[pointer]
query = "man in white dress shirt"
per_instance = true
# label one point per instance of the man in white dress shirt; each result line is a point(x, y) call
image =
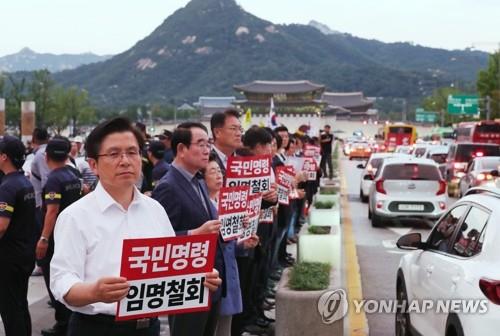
point(89, 234)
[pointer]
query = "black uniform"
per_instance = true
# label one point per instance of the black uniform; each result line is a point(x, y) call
point(17, 252)
point(62, 188)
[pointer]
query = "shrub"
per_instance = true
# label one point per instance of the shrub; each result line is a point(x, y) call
point(328, 191)
point(310, 276)
point(324, 205)
point(316, 229)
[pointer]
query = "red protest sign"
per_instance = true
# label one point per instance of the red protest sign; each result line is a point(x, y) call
point(253, 211)
point(233, 204)
point(166, 275)
point(310, 167)
point(253, 171)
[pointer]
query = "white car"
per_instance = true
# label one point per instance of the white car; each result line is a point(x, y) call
point(406, 187)
point(479, 173)
point(369, 171)
point(439, 153)
point(403, 149)
point(457, 265)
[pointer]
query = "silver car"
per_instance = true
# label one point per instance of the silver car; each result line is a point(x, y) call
point(407, 187)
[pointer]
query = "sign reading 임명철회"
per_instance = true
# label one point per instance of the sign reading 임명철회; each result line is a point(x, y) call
point(166, 275)
point(253, 212)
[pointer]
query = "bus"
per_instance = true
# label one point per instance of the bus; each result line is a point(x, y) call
point(482, 132)
point(397, 135)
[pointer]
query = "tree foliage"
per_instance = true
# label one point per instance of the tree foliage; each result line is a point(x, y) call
point(488, 83)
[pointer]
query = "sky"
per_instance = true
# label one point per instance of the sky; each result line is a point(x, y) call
point(113, 26)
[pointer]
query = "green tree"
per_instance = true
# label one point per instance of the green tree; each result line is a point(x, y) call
point(40, 91)
point(70, 107)
point(438, 102)
point(488, 84)
point(15, 96)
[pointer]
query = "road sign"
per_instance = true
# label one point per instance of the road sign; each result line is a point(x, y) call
point(464, 104)
point(425, 116)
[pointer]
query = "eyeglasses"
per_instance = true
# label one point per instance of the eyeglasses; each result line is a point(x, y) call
point(202, 144)
point(235, 129)
point(117, 155)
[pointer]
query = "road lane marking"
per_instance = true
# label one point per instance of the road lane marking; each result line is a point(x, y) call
point(358, 325)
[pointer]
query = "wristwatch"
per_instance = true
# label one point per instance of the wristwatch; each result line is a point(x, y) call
point(44, 239)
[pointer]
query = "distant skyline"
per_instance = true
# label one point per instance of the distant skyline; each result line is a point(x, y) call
point(112, 26)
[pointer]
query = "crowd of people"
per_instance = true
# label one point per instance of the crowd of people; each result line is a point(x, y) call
point(82, 198)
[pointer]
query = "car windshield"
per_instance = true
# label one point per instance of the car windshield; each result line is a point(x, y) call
point(439, 158)
point(490, 163)
point(411, 171)
point(488, 128)
point(400, 130)
point(465, 153)
point(375, 163)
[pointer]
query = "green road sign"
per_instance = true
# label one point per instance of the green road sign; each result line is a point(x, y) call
point(462, 104)
point(425, 116)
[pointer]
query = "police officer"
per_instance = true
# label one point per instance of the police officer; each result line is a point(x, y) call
point(62, 189)
point(17, 238)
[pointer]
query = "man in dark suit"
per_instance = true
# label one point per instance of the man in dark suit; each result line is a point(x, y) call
point(185, 198)
point(226, 131)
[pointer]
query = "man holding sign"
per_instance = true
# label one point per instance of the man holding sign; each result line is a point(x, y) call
point(89, 236)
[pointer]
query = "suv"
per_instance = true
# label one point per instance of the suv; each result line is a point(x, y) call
point(458, 158)
point(406, 187)
point(457, 263)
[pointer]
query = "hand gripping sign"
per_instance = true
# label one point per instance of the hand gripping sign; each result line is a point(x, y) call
point(254, 202)
point(253, 171)
point(166, 275)
point(233, 204)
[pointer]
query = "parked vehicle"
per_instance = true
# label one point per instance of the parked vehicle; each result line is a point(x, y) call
point(459, 262)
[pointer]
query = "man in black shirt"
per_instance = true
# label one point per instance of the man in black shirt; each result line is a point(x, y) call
point(326, 152)
point(156, 153)
point(62, 189)
point(17, 238)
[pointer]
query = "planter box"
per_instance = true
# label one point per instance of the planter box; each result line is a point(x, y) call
point(327, 198)
point(325, 248)
point(324, 217)
point(297, 311)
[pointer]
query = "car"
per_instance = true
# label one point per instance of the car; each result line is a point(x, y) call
point(479, 172)
point(369, 171)
point(360, 150)
point(439, 154)
point(406, 187)
point(458, 261)
point(421, 149)
point(403, 149)
point(459, 156)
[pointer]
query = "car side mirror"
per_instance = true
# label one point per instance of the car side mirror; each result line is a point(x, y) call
point(368, 177)
point(410, 241)
point(494, 173)
point(361, 166)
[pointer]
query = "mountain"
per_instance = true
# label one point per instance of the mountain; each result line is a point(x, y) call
point(28, 60)
point(208, 46)
point(323, 28)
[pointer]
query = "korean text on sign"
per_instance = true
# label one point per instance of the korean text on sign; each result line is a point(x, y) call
point(233, 204)
point(166, 275)
point(253, 171)
point(254, 203)
point(311, 168)
point(284, 177)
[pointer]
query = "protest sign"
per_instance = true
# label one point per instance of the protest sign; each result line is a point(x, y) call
point(166, 275)
point(232, 208)
point(253, 171)
point(253, 211)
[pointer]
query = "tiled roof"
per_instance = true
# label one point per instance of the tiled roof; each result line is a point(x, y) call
point(346, 100)
point(279, 87)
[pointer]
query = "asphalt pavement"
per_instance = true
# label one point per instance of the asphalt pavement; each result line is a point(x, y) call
point(378, 256)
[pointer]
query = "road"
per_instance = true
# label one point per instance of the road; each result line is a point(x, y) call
point(378, 255)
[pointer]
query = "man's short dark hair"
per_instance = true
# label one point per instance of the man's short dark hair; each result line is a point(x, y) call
point(58, 149)
point(255, 136)
point(279, 140)
point(182, 134)
point(40, 135)
point(101, 131)
point(291, 139)
point(157, 149)
point(218, 119)
point(14, 149)
point(167, 134)
point(281, 129)
point(327, 126)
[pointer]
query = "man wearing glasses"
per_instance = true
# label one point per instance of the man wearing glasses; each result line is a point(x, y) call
point(183, 193)
point(85, 269)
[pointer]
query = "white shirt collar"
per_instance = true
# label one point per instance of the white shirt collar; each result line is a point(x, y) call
point(104, 199)
point(222, 156)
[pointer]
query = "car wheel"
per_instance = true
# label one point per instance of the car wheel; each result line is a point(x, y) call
point(376, 220)
point(453, 326)
point(402, 317)
point(369, 213)
point(364, 198)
